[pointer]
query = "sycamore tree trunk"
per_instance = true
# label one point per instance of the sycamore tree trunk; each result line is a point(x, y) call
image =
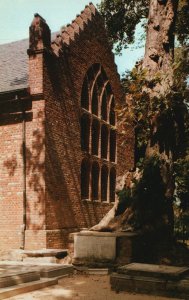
point(157, 63)
point(159, 50)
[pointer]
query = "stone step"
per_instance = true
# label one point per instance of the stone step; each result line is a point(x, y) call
point(154, 271)
point(58, 253)
point(54, 271)
point(44, 255)
point(20, 255)
point(46, 271)
point(26, 287)
point(40, 260)
point(8, 278)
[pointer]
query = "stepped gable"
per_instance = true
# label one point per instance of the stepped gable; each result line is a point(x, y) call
point(71, 32)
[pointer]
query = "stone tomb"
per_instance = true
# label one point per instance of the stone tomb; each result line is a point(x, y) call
point(152, 279)
point(101, 248)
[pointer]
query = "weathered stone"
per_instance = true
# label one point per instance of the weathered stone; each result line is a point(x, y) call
point(155, 271)
point(104, 247)
point(6, 293)
point(96, 246)
point(152, 279)
point(10, 278)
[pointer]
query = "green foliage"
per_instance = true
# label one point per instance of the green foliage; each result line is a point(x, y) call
point(181, 70)
point(137, 111)
point(122, 16)
point(182, 23)
point(171, 119)
point(181, 225)
point(161, 120)
point(142, 110)
point(164, 119)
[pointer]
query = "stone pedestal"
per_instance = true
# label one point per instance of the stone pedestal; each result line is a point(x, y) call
point(98, 248)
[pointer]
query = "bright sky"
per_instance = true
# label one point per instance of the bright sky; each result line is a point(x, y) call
point(16, 16)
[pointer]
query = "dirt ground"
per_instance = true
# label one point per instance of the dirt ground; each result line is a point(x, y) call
point(83, 287)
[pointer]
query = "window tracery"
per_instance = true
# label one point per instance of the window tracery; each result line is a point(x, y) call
point(98, 136)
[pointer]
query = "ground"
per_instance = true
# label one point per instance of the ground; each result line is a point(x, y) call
point(83, 287)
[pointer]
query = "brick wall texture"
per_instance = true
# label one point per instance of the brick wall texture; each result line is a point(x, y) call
point(52, 146)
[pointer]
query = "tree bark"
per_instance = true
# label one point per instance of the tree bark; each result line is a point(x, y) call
point(159, 49)
point(158, 62)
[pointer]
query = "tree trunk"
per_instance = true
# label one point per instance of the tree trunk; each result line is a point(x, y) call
point(158, 60)
point(158, 63)
point(159, 49)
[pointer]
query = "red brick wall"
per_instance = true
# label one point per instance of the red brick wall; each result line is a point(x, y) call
point(12, 177)
point(53, 151)
point(62, 90)
point(35, 182)
point(11, 180)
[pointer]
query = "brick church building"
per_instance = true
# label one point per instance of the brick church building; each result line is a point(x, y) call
point(61, 150)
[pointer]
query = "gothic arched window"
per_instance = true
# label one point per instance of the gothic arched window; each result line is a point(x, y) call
point(112, 112)
point(98, 136)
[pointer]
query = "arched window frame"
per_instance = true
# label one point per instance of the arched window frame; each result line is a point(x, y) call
point(112, 114)
point(103, 96)
point(98, 150)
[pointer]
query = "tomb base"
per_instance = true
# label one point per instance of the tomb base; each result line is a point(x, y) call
point(151, 279)
point(104, 248)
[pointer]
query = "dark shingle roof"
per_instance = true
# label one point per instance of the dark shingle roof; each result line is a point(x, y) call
point(13, 66)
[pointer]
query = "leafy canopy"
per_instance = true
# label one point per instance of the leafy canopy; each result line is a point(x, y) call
point(122, 16)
